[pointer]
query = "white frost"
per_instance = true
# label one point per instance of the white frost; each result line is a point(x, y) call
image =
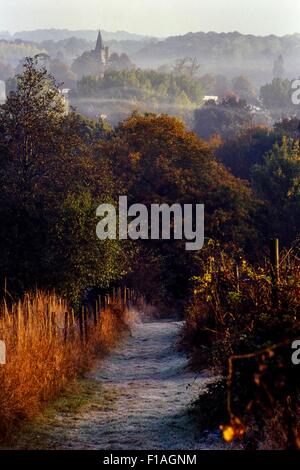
point(154, 389)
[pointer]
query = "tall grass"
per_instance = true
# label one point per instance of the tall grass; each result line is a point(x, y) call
point(46, 348)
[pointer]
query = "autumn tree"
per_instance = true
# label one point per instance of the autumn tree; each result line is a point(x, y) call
point(52, 180)
point(160, 161)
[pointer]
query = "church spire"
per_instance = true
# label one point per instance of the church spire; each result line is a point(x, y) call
point(99, 45)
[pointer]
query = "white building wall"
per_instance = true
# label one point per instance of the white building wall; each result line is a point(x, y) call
point(2, 92)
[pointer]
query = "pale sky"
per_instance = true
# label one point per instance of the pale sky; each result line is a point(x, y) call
point(154, 17)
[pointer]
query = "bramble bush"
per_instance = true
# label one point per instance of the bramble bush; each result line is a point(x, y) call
point(234, 324)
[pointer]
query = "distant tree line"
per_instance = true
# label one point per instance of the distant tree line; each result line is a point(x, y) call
point(138, 84)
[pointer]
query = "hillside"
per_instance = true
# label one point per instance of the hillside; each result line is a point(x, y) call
point(227, 53)
point(230, 54)
point(41, 35)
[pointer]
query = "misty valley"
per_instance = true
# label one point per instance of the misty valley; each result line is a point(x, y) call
point(149, 230)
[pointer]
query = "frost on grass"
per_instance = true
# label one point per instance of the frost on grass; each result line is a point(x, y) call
point(140, 399)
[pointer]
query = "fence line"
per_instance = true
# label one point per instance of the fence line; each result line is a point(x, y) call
point(56, 317)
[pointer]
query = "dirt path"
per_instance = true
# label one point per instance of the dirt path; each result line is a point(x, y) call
point(153, 390)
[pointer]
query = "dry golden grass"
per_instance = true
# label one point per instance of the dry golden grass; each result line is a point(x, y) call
point(41, 357)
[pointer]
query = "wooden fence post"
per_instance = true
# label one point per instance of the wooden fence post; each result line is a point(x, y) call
point(85, 316)
point(275, 269)
point(19, 319)
point(100, 306)
point(96, 313)
point(81, 323)
point(237, 275)
point(125, 296)
point(66, 326)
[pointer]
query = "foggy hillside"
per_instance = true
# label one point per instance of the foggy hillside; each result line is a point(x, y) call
point(41, 35)
point(227, 53)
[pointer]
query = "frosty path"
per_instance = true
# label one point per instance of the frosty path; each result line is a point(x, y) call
point(153, 390)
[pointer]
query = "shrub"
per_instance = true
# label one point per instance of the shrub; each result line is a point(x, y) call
point(233, 318)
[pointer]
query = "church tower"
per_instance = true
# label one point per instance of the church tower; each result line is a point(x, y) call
point(101, 53)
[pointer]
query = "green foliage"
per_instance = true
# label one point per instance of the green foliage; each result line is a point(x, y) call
point(278, 94)
point(137, 84)
point(32, 116)
point(86, 64)
point(52, 179)
point(277, 182)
